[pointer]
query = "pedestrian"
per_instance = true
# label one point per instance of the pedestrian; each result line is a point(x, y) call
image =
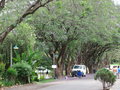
point(47, 74)
point(66, 77)
point(118, 72)
point(79, 74)
point(115, 70)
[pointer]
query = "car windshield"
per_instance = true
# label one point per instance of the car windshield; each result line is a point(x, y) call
point(77, 67)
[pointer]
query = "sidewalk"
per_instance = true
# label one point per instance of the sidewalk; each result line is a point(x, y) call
point(116, 86)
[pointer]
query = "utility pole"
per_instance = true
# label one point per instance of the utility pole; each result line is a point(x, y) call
point(11, 55)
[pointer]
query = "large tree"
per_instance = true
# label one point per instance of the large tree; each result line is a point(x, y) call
point(30, 9)
point(100, 28)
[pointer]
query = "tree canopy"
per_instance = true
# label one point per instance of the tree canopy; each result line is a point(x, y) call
point(61, 32)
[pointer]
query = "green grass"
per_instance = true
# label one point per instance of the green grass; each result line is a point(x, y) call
point(46, 81)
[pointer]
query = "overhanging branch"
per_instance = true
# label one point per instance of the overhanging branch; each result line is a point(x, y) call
point(34, 7)
point(2, 4)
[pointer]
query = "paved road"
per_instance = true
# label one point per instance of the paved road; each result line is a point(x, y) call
point(87, 83)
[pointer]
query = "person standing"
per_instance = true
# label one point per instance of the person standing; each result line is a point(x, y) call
point(47, 74)
point(66, 77)
point(118, 72)
point(115, 70)
point(79, 74)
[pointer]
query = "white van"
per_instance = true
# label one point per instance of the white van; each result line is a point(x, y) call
point(81, 68)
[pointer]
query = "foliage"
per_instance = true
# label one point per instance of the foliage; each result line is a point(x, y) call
point(34, 77)
point(47, 80)
point(1, 83)
point(24, 71)
point(63, 32)
point(42, 77)
point(8, 83)
point(84, 22)
point(2, 69)
point(27, 56)
point(106, 77)
point(11, 74)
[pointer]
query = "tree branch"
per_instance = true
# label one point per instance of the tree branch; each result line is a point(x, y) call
point(34, 7)
point(2, 4)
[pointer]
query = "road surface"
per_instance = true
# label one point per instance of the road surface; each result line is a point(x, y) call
point(86, 83)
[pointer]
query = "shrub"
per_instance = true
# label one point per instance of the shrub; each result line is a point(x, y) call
point(24, 71)
point(106, 77)
point(2, 69)
point(42, 77)
point(8, 83)
point(34, 77)
point(1, 84)
point(11, 74)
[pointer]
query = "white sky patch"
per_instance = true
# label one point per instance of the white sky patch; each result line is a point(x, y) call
point(117, 2)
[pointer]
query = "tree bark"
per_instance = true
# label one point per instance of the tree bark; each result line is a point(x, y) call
point(59, 71)
point(104, 86)
point(60, 60)
point(91, 53)
point(68, 68)
point(2, 4)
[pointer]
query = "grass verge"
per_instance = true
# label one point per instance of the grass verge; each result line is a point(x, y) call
point(46, 81)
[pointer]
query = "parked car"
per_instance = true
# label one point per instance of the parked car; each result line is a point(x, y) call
point(81, 68)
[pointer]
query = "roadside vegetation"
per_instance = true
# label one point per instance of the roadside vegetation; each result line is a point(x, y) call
point(106, 77)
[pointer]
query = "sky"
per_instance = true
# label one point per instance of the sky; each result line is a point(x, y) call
point(117, 2)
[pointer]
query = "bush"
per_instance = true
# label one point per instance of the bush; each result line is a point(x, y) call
point(1, 84)
point(42, 77)
point(106, 77)
point(34, 77)
point(24, 71)
point(8, 83)
point(2, 69)
point(11, 74)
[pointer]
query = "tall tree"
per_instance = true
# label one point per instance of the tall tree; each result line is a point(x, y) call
point(30, 10)
point(58, 26)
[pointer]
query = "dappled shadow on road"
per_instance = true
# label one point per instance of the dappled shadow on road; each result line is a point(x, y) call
point(88, 76)
point(62, 83)
point(71, 83)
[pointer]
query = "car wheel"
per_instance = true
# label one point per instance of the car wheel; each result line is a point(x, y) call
point(83, 75)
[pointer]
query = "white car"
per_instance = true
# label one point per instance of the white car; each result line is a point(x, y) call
point(81, 68)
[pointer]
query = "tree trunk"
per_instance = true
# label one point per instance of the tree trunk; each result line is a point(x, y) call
point(104, 86)
point(90, 68)
point(59, 71)
point(68, 68)
point(2, 4)
point(68, 71)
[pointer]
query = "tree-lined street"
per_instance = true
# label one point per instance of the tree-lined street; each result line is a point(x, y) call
point(86, 83)
point(45, 39)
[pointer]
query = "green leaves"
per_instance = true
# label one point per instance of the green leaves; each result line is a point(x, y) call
point(59, 4)
point(2, 70)
point(106, 76)
point(73, 23)
point(24, 71)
